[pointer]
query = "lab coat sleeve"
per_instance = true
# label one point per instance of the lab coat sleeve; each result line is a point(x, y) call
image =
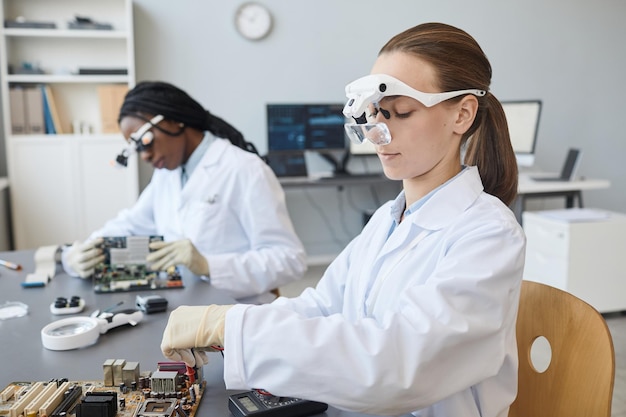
point(327, 297)
point(443, 336)
point(275, 256)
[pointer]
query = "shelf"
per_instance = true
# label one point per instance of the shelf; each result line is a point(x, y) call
point(69, 78)
point(66, 33)
point(67, 175)
point(70, 136)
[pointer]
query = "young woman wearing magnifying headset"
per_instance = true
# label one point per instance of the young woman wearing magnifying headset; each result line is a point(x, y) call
point(220, 208)
point(417, 314)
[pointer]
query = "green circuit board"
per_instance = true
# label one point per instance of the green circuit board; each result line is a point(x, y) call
point(124, 267)
point(66, 398)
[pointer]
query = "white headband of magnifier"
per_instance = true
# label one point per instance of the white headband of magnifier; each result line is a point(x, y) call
point(141, 137)
point(371, 88)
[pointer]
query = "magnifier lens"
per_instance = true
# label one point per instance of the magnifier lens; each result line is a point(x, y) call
point(377, 133)
point(71, 329)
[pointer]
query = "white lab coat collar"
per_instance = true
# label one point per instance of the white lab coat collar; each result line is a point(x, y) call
point(211, 157)
point(441, 209)
point(449, 201)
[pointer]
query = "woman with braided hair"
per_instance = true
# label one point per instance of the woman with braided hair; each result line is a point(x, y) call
point(217, 204)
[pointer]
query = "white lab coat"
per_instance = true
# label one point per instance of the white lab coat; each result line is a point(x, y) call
point(423, 320)
point(233, 210)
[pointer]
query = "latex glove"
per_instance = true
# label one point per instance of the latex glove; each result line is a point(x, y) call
point(82, 257)
point(194, 327)
point(179, 252)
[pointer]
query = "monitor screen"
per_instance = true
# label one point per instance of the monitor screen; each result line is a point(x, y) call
point(298, 127)
point(523, 120)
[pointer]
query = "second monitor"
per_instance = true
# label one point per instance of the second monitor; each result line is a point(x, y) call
point(300, 127)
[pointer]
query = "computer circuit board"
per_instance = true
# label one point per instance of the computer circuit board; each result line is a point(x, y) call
point(124, 267)
point(174, 392)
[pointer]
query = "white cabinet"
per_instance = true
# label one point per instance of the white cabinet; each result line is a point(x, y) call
point(583, 257)
point(63, 185)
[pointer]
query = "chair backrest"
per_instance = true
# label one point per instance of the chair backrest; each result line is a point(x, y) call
point(580, 376)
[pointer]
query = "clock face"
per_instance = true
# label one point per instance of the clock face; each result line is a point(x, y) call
point(253, 20)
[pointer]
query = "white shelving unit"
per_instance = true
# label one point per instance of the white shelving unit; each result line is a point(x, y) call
point(62, 186)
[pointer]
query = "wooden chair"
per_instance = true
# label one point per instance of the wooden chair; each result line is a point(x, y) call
point(579, 378)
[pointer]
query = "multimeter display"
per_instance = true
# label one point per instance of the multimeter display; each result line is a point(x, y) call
point(257, 404)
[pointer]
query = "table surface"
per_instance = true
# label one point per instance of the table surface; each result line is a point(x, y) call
point(25, 358)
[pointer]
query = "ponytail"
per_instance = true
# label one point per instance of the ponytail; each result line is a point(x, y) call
point(460, 64)
point(489, 148)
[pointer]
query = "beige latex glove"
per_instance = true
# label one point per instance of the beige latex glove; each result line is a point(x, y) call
point(194, 327)
point(179, 252)
point(82, 257)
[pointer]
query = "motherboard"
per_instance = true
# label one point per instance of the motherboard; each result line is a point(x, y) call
point(174, 390)
point(124, 267)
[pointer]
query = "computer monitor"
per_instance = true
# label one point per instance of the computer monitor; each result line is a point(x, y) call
point(522, 116)
point(300, 127)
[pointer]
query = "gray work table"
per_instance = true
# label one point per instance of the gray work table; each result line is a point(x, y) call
point(25, 359)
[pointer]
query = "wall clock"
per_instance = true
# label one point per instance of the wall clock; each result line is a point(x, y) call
point(253, 20)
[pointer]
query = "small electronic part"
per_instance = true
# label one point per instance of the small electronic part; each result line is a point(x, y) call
point(151, 303)
point(259, 403)
point(124, 267)
point(152, 394)
point(64, 306)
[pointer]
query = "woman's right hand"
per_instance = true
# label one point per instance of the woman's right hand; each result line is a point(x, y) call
point(82, 257)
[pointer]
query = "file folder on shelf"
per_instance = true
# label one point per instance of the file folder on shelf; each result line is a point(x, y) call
point(33, 102)
point(18, 110)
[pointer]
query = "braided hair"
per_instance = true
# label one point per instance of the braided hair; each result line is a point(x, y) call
point(157, 97)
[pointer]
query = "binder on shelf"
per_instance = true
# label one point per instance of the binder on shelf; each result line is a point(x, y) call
point(51, 115)
point(33, 105)
point(111, 97)
point(18, 110)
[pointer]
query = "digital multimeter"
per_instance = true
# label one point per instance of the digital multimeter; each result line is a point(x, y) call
point(259, 404)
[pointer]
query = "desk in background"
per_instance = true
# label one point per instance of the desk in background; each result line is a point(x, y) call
point(339, 181)
point(25, 359)
point(527, 187)
point(571, 190)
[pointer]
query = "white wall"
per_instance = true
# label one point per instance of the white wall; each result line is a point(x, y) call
point(569, 53)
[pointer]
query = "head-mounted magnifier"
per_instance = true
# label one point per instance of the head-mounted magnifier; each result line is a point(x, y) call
point(139, 140)
point(369, 90)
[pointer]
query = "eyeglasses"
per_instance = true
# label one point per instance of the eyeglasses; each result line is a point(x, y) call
point(369, 90)
point(139, 140)
point(143, 137)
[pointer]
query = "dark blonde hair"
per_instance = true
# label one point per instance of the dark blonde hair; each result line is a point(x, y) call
point(460, 63)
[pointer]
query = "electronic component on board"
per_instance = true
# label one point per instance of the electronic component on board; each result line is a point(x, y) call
point(125, 269)
point(161, 393)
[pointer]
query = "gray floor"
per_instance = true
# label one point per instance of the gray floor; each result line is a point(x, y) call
point(616, 322)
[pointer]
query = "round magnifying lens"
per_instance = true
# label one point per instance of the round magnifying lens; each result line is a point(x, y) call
point(12, 309)
point(70, 333)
